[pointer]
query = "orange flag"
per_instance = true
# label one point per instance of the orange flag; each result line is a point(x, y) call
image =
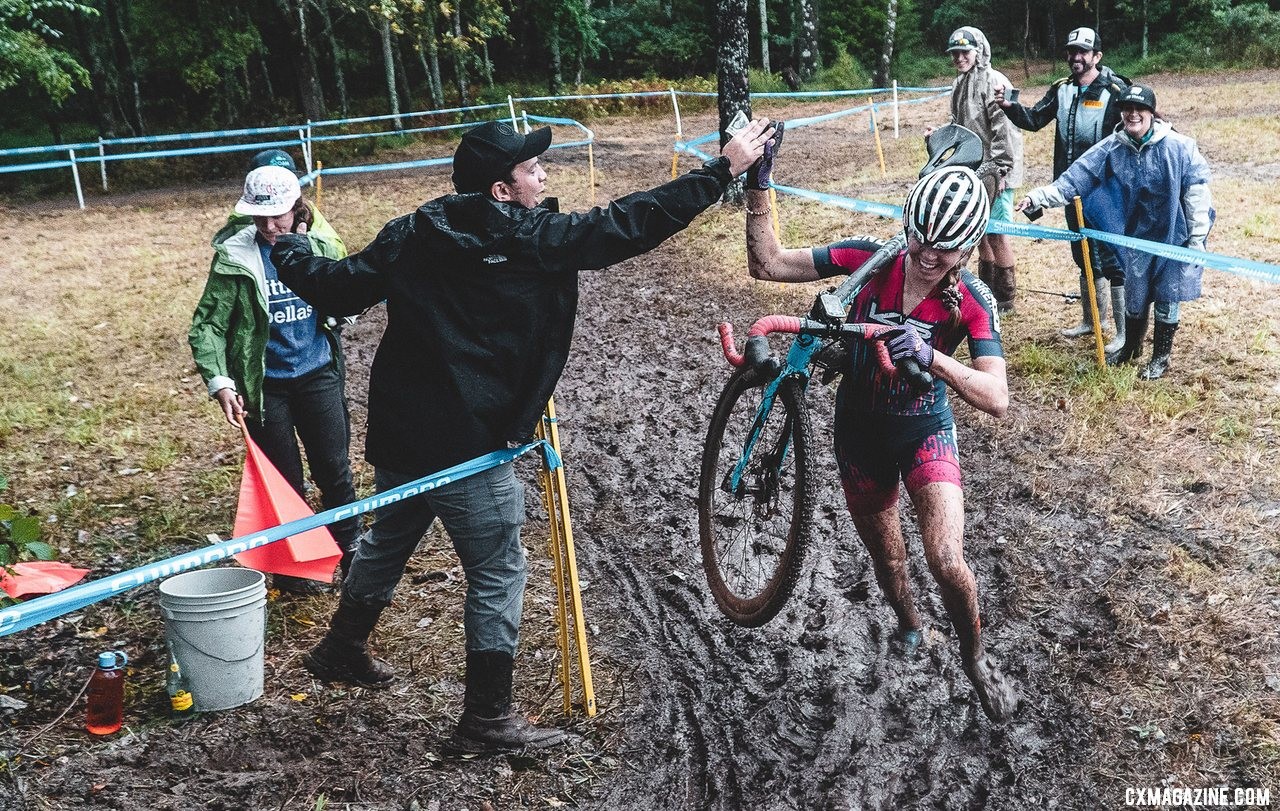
point(39, 577)
point(267, 500)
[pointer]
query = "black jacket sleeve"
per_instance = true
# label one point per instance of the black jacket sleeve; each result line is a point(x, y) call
point(342, 286)
point(1034, 118)
point(630, 225)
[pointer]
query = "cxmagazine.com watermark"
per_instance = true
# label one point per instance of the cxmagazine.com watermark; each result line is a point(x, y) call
point(1210, 797)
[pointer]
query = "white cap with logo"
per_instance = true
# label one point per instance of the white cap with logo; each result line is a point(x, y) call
point(269, 191)
point(1086, 39)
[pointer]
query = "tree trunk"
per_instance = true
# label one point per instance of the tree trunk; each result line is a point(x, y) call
point(890, 37)
point(732, 53)
point(556, 79)
point(764, 36)
point(310, 94)
point(486, 64)
point(101, 76)
point(389, 69)
point(266, 76)
point(402, 76)
point(339, 77)
point(1026, 42)
point(807, 38)
point(429, 53)
point(1144, 29)
point(582, 49)
point(459, 60)
point(124, 56)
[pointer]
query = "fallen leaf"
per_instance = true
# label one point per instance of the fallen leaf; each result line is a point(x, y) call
point(299, 696)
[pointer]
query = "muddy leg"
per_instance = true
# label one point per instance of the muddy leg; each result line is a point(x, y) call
point(941, 509)
point(881, 534)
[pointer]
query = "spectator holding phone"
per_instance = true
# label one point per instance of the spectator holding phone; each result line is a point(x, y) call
point(1084, 107)
point(267, 356)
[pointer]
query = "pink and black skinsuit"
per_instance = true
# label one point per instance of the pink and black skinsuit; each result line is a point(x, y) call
point(884, 429)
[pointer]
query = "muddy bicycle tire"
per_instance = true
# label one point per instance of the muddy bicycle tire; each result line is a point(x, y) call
point(753, 542)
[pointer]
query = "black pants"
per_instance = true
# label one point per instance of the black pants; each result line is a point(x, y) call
point(313, 409)
point(1101, 255)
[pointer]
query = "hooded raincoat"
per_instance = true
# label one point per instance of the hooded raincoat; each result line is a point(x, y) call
point(974, 107)
point(231, 323)
point(1157, 191)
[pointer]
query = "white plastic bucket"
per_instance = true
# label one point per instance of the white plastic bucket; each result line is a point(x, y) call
point(215, 620)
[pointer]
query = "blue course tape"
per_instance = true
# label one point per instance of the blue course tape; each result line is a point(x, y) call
point(42, 609)
point(34, 167)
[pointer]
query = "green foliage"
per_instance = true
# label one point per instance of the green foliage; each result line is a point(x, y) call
point(637, 38)
point(20, 535)
point(27, 57)
point(843, 73)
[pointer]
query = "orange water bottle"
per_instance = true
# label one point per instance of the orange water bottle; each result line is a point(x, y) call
point(106, 693)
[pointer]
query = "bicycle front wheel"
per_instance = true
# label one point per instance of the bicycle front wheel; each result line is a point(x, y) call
point(754, 531)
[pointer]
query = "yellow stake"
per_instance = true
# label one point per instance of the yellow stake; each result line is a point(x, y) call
point(876, 131)
point(675, 161)
point(557, 559)
point(773, 207)
point(319, 184)
point(571, 561)
point(591, 164)
point(1088, 290)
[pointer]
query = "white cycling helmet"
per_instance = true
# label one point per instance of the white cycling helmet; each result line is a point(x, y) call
point(947, 209)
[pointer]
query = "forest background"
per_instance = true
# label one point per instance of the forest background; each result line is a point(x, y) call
point(74, 71)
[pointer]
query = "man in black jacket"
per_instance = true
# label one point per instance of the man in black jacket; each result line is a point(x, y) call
point(1084, 107)
point(481, 290)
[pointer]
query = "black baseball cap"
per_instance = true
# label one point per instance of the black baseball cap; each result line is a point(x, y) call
point(962, 39)
point(1139, 95)
point(490, 151)
point(273, 157)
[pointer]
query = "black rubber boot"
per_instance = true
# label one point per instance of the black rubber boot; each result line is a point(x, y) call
point(1161, 348)
point(343, 655)
point(1006, 287)
point(1135, 332)
point(298, 586)
point(488, 724)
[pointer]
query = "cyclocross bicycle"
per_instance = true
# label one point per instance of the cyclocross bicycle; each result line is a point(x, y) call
point(754, 499)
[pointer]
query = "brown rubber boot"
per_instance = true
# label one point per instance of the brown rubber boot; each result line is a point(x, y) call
point(343, 655)
point(488, 724)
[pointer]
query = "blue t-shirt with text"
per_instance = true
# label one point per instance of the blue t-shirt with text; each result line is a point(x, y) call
point(295, 346)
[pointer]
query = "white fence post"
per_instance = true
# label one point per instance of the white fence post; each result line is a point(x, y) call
point(75, 173)
point(305, 137)
point(511, 105)
point(675, 105)
point(102, 162)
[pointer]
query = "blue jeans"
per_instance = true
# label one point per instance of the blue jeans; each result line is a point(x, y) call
point(313, 409)
point(483, 514)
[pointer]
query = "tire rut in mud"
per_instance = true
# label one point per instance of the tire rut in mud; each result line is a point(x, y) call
point(809, 711)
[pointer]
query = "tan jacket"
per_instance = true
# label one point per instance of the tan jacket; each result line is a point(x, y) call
point(973, 106)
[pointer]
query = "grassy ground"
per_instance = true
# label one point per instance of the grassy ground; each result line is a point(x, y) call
point(107, 433)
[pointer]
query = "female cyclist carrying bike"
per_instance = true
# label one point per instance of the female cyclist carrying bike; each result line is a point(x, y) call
point(886, 430)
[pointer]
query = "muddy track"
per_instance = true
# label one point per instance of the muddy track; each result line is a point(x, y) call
point(812, 710)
